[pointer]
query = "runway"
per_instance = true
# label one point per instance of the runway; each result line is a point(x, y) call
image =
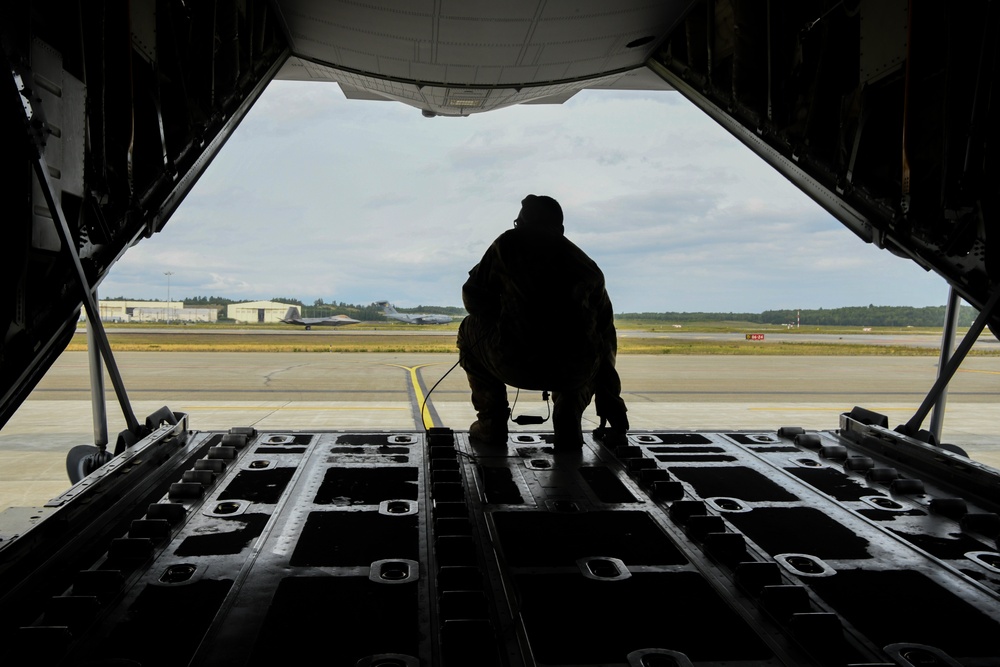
point(985, 342)
point(385, 391)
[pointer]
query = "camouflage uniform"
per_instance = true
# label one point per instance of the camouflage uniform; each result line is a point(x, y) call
point(540, 318)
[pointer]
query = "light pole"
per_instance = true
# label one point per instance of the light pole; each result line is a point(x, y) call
point(168, 274)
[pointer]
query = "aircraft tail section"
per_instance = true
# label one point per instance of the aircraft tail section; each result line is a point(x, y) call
point(387, 308)
point(292, 313)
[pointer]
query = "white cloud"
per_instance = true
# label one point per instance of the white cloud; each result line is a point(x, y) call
point(316, 196)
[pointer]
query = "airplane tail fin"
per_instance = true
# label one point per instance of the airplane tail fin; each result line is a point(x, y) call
point(387, 308)
point(292, 313)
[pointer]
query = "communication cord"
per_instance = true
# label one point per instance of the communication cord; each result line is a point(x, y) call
point(521, 420)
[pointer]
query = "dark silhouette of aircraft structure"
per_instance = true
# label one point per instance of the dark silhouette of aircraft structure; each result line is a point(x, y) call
point(292, 317)
point(866, 544)
point(412, 318)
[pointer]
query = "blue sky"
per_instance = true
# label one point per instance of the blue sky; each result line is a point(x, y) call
point(316, 196)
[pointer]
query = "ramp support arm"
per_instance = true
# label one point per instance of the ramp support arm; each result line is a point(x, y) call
point(947, 346)
point(97, 403)
point(947, 371)
point(34, 125)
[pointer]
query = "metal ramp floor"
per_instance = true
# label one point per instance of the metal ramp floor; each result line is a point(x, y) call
point(399, 549)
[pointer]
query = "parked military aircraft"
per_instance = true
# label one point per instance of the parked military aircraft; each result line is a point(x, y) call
point(412, 318)
point(292, 317)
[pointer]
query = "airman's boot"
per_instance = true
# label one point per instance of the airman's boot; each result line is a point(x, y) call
point(490, 429)
point(567, 414)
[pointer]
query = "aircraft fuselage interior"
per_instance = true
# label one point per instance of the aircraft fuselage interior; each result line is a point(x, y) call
point(868, 544)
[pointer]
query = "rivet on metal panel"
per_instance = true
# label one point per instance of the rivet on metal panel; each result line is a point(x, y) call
point(727, 504)
point(804, 565)
point(988, 559)
point(397, 507)
point(883, 503)
point(388, 660)
point(394, 571)
point(603, 568)
point(228, 507)
point(918, 655)
point(177, 573)
point(563, 506)
point(657, 657)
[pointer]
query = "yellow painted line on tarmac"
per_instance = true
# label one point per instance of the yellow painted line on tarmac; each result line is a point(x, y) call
point(830, 409)
point(976, 370)
point(425, 415)
point(295, 408)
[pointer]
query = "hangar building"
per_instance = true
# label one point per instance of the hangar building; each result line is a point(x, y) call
point(260, 312)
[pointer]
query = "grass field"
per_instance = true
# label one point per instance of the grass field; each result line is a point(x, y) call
point(198, 339)
point(733, 326)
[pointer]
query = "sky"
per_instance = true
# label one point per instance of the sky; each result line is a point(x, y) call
point(319, 197)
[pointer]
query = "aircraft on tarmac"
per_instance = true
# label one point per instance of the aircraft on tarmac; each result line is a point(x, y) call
point(292, 317)
point(418, 318)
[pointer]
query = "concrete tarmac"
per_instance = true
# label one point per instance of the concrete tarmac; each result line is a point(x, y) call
point(986, 341)
point(363, 391)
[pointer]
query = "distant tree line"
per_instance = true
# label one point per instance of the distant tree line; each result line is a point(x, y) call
point(860, 316)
